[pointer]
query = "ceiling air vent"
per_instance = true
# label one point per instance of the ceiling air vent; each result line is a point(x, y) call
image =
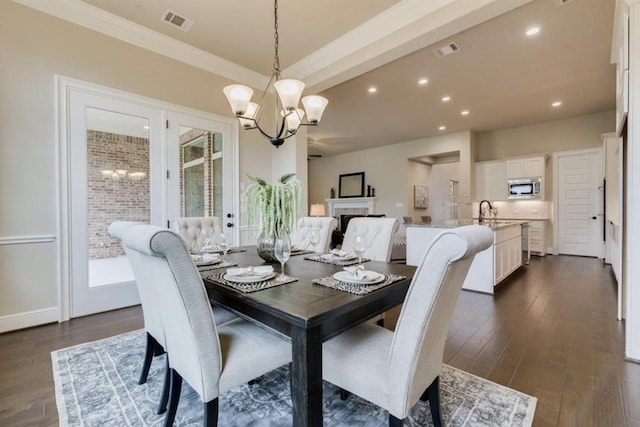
point(561, 2)
point(176, 20)
point(447, 49)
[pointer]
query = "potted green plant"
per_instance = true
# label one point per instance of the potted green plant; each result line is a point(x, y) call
point(272, 210)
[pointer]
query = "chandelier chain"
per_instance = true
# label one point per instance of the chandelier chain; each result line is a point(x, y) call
point(276, 61)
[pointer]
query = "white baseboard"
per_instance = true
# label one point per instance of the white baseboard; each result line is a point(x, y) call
point(28, 319)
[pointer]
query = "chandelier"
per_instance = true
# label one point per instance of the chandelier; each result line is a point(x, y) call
point(289, 92)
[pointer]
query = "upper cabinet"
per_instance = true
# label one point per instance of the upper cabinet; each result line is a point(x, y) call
point(620, 55)
point(490, 181)
point(528, 167)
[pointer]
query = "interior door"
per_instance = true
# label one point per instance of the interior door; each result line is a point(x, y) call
point(115, 174)
point(203, 176)
point(580, 203)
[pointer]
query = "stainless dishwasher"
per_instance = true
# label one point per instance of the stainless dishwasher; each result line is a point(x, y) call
point(526, 250)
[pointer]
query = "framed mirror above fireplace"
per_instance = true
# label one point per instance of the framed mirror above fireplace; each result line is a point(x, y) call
point(351, 185)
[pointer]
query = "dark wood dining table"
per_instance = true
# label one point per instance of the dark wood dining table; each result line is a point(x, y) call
point(308, 314)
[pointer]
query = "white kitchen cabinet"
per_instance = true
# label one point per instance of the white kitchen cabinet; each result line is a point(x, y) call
point(538, 237)
point(508, 251)
point(490, 181)
point(489, 267)
point(527, 167)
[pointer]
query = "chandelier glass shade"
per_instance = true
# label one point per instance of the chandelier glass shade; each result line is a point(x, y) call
point(289, 92)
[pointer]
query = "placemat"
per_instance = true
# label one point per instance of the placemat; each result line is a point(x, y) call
point(353, 288)
point(223, 264)
point(296, 252)
point(229, 251)
point(319, 258)
point(249, 287)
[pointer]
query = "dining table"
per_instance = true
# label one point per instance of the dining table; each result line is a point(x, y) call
point(306, 314)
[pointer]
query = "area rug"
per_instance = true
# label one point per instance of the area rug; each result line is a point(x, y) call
point(96, 385)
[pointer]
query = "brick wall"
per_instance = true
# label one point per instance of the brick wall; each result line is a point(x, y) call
point(109, 200)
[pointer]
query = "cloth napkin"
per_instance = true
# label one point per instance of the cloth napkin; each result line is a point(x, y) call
point(338, 253)
point(256, 272)
point(358, 272)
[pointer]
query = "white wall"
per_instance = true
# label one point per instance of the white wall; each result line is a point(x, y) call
point(34, 47)
point(386, 170)
point(441, 174)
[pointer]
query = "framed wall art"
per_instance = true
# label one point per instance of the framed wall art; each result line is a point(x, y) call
point(420, 197)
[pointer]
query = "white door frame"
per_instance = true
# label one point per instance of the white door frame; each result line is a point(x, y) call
point(63, 87)
point(556, 188)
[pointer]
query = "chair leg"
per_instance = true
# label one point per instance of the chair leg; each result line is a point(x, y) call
point(162, 407)
point(432, 395)
point(176, 386)
point(211, 413)
point(148, 356)
point(395, 422)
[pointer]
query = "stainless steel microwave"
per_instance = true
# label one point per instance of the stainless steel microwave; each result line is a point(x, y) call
point(524, 188)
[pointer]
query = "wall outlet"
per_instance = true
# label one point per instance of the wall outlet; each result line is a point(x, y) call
point(399, 204)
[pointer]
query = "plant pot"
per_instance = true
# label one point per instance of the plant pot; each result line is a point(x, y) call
point(266, 248)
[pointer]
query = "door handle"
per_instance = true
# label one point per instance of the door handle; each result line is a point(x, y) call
point(594, 217)
point(229, 224)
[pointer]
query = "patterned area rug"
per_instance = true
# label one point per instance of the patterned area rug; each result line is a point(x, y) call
point(96, 385)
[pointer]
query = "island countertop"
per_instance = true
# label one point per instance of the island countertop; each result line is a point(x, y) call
point(495, 225)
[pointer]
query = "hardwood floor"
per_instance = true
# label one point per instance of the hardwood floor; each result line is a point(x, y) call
point(550, 331)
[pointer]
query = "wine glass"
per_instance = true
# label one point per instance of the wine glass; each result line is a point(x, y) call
point(360, 246)
point(314, 239)
point(282, 251)
point(223, 244)
point(196, 246)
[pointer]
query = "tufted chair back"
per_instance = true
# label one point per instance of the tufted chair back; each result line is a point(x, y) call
point(325, 226)
point(379, 232)
point(189, 228)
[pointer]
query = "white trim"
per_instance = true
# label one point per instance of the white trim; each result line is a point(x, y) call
point(404, 28)
point(19, 240)
point(63, 86)
point(27, 319)
point(96, 19)
point(555, 156)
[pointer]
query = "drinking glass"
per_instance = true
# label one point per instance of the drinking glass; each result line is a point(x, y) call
point(282, 251)
point(314, 239)
point(223, 244)
point(196, 246)
point(360, 246)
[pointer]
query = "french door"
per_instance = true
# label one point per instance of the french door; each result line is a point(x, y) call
point(130, 158)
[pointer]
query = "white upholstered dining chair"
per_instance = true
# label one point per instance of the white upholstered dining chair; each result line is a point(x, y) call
point(396, 369)
point(379, 233)
point(153, 326)
point(189, 227)
point(324, 225)
point(211, 358)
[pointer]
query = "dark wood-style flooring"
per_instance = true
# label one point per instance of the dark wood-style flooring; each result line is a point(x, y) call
point(550, 331)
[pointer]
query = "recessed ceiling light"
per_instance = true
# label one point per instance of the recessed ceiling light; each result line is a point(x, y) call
point(556, 104)
point(442, 128)
point(373, 89)
point(464, 112)
point(532, 31)
point(446, 98)
point(423, 81)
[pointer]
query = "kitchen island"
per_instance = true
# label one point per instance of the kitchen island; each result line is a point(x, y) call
point(490, 266)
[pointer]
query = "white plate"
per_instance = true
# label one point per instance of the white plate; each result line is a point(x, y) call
point(332, 257)
point(208, 260)
point(249, 279)
point(373, 277)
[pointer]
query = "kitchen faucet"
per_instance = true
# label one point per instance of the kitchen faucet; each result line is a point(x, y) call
point(480, 210)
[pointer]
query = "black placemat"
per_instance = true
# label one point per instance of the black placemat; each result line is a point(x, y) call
point(319, 258)
point(296, 252)
point(249, 287)
point(357, 289)
point(229, 251)
point(224, 264)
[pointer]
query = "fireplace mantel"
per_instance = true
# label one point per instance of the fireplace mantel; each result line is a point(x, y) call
point(351, 202)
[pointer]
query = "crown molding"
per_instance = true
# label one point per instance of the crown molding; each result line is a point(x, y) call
point(96, 19)
point(408, 26)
